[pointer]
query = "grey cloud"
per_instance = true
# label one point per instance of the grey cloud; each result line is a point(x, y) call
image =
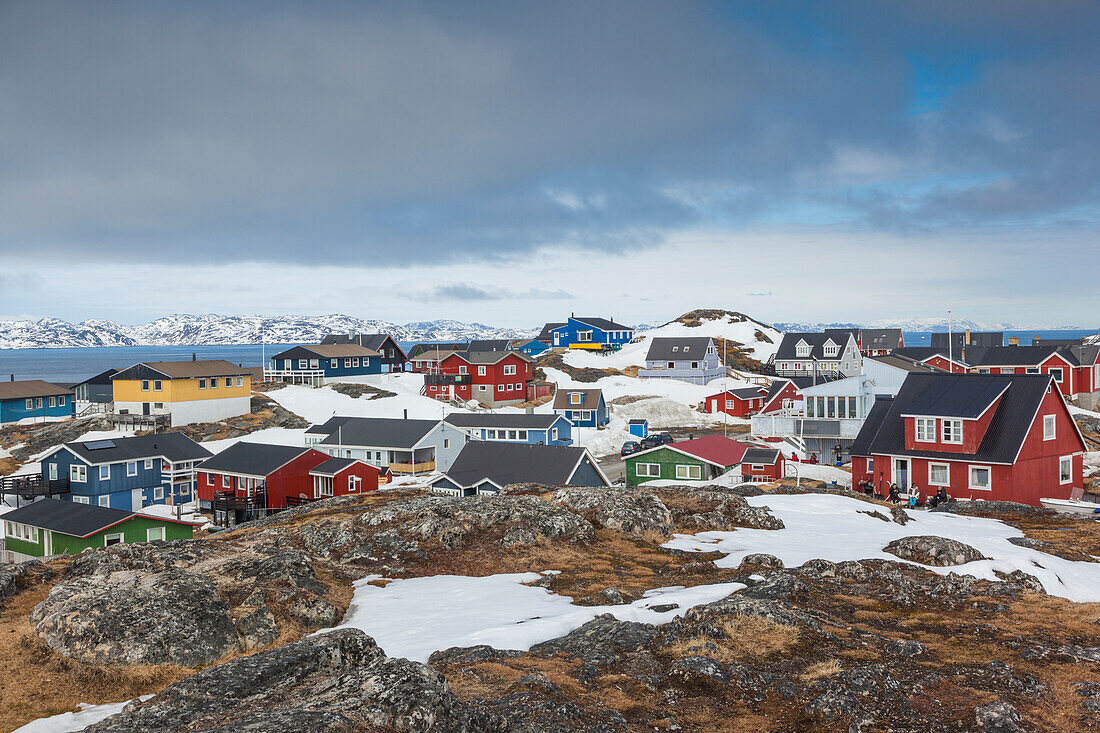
point(467, 292)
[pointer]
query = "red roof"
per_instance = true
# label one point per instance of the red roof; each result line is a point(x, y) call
point(715, 449)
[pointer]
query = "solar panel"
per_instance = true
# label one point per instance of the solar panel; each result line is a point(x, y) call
point(99, 444)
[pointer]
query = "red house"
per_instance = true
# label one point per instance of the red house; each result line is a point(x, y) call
point(737, 402)
point(1073, 367)
point(978, 436)
point(781, 395)
point(761, 464)
point(251, 478)
point(493, 378)
point(937, 357)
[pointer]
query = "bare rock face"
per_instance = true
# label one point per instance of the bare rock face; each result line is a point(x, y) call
point(335, 682)
point(630, 511)
point(936, 551)
point(136, 617)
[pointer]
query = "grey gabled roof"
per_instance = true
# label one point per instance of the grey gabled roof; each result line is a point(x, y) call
point(1024, 356)
point(816, 341)
point(30, 388)
point(327, 351)
point(590, 398)
point(880, 338)
point(982, 339)
point(488, 357)
point(514, 463)
point(602, 323)
point(756, 454)
point(544, 334)
point(534, 421)
point(174, 447)
point(686, 348)
point(332, 466)
point(883, 431)
point(372, 341)
point(252, 459)
point(72, 518)
point(489, 345)
point(745, 393)
point(904, 363)
point(379, 432)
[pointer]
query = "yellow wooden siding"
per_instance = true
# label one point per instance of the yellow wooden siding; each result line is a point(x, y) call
point(179, 390)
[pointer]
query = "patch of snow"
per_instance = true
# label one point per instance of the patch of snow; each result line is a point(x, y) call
point(273, 436)
point(69, 722)
point(414, 617)
point(832, 528)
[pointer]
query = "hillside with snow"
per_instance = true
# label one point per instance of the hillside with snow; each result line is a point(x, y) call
point(218, 330)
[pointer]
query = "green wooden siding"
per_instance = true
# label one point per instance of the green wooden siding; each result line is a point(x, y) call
point(133, 530)
point(667, 461)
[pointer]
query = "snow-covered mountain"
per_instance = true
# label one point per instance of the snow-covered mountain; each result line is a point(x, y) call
point(218, 330)
point(918, 324)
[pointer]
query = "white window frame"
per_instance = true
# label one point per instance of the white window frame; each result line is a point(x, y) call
point(120, 535)
point(104, 500)
point(240, 381)
point(145, 384)
point(481, 371)
point(970, 478)
point(354, 483)
point(213, 382)
point(149, 534)
point(333, 364)
point(462, 369)
point(105, 473)
point(82, 499)
point(225, 481)
point(946, 481)
point(202, 383)
point(649, 470)
point(29, 404)
point(148, 464)
point(928, 433)
point(509, 370)
point(131, 468)
point(158, 385)
point(1050, 427)
point(1057, 377)
point(1062, 462)
point(688, 470)
point(951, 423)
point(576, 398)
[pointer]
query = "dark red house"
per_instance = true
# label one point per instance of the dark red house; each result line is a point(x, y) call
point(493, 378)
point(978, 436)
point(257, 477)
point(737, 402)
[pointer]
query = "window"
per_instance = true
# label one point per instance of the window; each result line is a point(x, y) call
point(145, 385)
point(522, 434)
point(202, 384)
point(240, 381)
point(575, 398)
point(158, 493)
point(53, 402)
point(154, 533)
point(148, 464)
point(38, 403)
point(939, 474)
point(979, 477)
point(314, 364)
point(1049, 427)
point(519, 386)
point(648, 469)
point(82, 500)
point(1031, 370)
point(446, 442)
point(672, 365)
point(462, 369)
point(353, 483)
point(509, 369)
point(952, 431)
point(1065, 469)
point(158, 405)
point(104, 473)
point(158, 385)
point(29, 404)
point(511, 387)
point(355, 361)
point(131, 468)
point(926, 429)
point(802, 350)
point(553, 433)
point(115, 538)
point(1056, 372)
point(500, 388)
point(870, 465)
point(730, 404)
point(225, 482)
point(105, 501)
point(303, 363)
point(689, 472)
point(511, 435)
point(584, 336)
point(213, 382)
point(694, 364)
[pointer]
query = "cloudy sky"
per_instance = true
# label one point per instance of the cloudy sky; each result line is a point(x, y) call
point(513, 162)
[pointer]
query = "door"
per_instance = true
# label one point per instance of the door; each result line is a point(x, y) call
point(144, 408)
point(137, 499)
point(901, 473)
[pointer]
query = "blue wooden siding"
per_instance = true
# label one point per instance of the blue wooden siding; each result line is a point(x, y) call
point(118, 486)
point(541, 436)
point(16, 409)
point(534, 347)
point(567, 334)
point(367, 365)
point(586, 475)
point(595, 418)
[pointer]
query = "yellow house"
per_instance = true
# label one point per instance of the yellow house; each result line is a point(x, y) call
point(187, 391)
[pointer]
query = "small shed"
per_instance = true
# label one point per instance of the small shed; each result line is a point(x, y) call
point(639, 427)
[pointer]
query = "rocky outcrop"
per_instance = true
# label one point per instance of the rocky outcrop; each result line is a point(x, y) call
point(935, 551)
point(16, 576)
point(332, 683)
point(136, 617)
point(630, 511)
point(603, 640)
point(718, 508)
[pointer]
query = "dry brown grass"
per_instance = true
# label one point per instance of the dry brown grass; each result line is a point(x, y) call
point(748, 639)
point(8, 465)
point(820, 670)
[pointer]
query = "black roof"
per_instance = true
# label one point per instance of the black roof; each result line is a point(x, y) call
point(508, 420)
point(1011, 355)
point(905, 363)
point(101, 378)
point(333, 466)
point(920, 353)
point(378, 432)
point(685, 348)
point(957, 394)
point(816, 341)
point(544, 334)
point(958, 338)
point(637, 421)
point(374, 341)
point(514, 463)
point(861, 446)
point(756, 454)
point(747, 393)
point(602, 323)
point(253, 459)
point(489, 345)
point(880, 338)
point(67, 517)
point(174, 447)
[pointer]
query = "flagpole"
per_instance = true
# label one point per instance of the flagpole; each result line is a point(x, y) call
point(950, 339)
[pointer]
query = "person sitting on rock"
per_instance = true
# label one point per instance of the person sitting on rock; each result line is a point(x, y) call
point(914, 494)
point(895, 495)
point(940, 497)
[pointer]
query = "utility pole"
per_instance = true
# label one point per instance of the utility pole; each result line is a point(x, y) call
point(950, 367)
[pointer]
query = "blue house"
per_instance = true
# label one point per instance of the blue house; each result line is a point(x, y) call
point(585, 408)
point(391, 357)
point(534, 347)
point(541, 429)
point(323, 363)
point(128, 473)
point(34, 399)
point(638, 427)
point(599, 334)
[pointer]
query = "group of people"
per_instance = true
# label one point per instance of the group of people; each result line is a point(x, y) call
point(940, 497)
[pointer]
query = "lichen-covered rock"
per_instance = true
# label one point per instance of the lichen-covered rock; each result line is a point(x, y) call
point(331, 683)
point(906, 648)
point(312, 612)
point(321, 538)
point(603, 640)
point(998, 717)
point(258, 628)
point(134, 617)
point(763, 560)
point(931, 550)
point(16, 576)
point(697, 669)
point(630, 511)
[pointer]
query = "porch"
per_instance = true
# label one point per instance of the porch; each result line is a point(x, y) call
point(310, 377)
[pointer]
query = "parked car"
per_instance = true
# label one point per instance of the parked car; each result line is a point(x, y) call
point(655, 440)
point(629, 447)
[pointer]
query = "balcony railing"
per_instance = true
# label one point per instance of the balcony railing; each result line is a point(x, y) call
point(446, 380)
point(33, 485)
point(419, 467)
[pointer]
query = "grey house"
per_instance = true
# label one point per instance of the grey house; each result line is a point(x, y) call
point(403, 446)
point(486, 467)
point(692, 359)
point(833, 352)
point(97, 389)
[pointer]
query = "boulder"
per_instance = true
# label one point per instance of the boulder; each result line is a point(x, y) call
point(697, 669)
point(312, 612)
point(763, 560)
point(258, 628)
point(335, 682)
point(134, 617)
point(15, 577)
point(999, 716)
point(603, 640)
point(936, 551)
point(630, 511)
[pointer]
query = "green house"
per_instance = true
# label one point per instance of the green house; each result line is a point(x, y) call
point(54, 527)
point(700, 459)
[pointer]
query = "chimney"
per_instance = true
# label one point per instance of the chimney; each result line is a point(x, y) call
point(406, 413)
point(12, 378)
point(1035, 340)
point(194, 356)
point(529, 410)
point(1013, 340)
point(966, 342)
